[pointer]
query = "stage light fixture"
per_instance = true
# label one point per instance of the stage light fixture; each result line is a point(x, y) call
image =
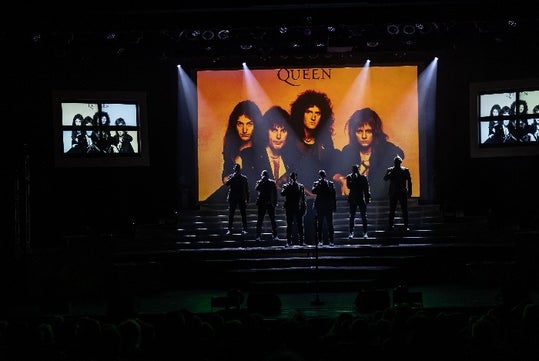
point(283, 29)
point(393, 29)
point(208, 35)
point(223, 34)
point(408, 29)
point(372, 44)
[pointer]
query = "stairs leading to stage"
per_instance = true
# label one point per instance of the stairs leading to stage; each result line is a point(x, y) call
point(192, 250)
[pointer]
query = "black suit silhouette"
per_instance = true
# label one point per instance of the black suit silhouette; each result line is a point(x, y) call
point(238, 196)
point(266, 202)
point(358, 197)
point(295, 206)
point(324, 204)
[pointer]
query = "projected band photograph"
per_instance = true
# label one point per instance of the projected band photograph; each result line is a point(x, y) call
point(509, 118)
point(306, 120)
point(99, 128)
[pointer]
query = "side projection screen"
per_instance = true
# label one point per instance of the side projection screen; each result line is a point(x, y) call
point(100, 129)
point(306, 119)
point(504, 118)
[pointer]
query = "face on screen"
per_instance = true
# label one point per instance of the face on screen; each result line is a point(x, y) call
point(245, 127)
point(277, 136)
point(364, 135)
point(311, 117)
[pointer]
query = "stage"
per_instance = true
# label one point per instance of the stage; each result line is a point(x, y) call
point(187, 258)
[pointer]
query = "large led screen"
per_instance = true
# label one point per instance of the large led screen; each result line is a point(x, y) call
point(355, 105)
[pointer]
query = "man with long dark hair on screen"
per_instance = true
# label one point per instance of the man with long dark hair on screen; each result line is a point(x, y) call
point(237, 197)
point(121, 140)
point(104, 138)
point(89, 138)
point(76, 134)
point(274, 151)
point(241, 133)
point(369, 147)
point(312, 120)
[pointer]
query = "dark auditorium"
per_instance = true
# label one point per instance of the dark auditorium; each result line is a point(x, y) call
point(270, 180)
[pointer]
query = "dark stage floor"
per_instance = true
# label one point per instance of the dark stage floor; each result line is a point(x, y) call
point(182, 262)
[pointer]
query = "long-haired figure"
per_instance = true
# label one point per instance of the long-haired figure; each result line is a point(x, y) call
point(274, 151)
point(240, 133)
point(312, 120)
point(368, 147)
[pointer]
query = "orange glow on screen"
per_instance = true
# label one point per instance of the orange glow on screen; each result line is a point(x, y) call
point(389, 90)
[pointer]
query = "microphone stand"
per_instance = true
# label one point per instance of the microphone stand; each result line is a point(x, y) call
point(316, 301)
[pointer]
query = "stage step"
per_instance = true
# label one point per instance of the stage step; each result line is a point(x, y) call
point(191, 250)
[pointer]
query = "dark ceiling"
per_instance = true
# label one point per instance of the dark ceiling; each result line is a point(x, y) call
point(268, 29)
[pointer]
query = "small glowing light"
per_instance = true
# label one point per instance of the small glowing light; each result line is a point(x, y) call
point(512, 23)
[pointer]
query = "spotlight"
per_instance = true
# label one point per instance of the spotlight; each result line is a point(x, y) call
point(393, 29)
point(223, 34)
point(208, 35)
point(408, 29)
